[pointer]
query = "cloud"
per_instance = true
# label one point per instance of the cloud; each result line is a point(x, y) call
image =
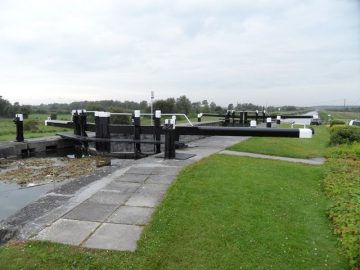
point(256, 51)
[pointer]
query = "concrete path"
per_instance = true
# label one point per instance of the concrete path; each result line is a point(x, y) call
point(110, 213)
point(313, 161)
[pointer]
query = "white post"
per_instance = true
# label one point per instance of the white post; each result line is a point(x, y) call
point(305, 133)
point(268, 122)
point(173, 118)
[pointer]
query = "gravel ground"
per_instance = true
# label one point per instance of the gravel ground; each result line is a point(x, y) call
point(34, 171)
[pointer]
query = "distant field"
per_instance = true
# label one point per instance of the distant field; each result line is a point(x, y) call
point(36, 129)
point(339, 115)
point(8, 129)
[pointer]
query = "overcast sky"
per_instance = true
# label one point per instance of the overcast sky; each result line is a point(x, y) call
point(266, 52)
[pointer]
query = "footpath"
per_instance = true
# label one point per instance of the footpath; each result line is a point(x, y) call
point(110, 212)
point(312, 161)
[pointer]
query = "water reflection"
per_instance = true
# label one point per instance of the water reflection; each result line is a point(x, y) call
point(14, 197)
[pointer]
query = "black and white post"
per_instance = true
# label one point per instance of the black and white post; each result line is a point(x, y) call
point(278, 119)
point(157, 127)
point(102, 121)
point(268, 122)
point(19, 122)
point(169, 130)
point(137, 130)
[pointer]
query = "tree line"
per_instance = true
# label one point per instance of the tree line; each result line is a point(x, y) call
point(181, 104)
point(9, 110)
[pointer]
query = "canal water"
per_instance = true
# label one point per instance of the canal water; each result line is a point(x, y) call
point(300, 121)
point(14, 197)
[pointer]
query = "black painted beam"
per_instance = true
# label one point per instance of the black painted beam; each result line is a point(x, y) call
point(293, 116)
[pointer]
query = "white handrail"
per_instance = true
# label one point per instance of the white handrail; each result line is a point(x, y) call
point(171, 114)
point(121, 113)
point(179, 114)
point(149, 114)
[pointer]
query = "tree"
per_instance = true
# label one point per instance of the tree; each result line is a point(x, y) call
point(196, 107)
point(166, 106)
point(119, 119)
point(219, 109)
point(230, 106)
point(205, 106)
point(143, 106)
point(212, 106)
point(183, 105)
point(5, 108)
point(16, 108)
point(25, 110)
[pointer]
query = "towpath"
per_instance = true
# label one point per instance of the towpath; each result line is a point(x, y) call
point(110, 213)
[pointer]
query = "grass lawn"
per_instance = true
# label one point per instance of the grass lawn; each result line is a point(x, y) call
point(224, 212)
point(287, 147)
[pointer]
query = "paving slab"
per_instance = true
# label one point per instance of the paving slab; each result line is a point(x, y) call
point(135, 178)
point(122, 187)
point(91, 211)
point(150, 188)
point(109, 197)
point(160, 179)
point(148, 195)
point(65, 231)
point(139, 170)
point(115, 237)
point(168, 170)
point(131, 215)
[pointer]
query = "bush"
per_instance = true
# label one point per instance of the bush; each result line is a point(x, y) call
point(336, 122)
point(344, 135)
point(53, 116)
point(119, 119)
point(31, 125)
point(345, 151)
point(342, 186)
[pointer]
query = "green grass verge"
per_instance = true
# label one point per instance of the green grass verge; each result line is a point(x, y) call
point(287, 147)
point(342, 186)
point(224, 212)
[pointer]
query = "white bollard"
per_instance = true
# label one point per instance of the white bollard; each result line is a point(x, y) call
point(157, 114)
point(305, 133)
point(268, 122)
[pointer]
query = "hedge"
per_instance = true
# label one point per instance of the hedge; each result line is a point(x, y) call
point(344, 135)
